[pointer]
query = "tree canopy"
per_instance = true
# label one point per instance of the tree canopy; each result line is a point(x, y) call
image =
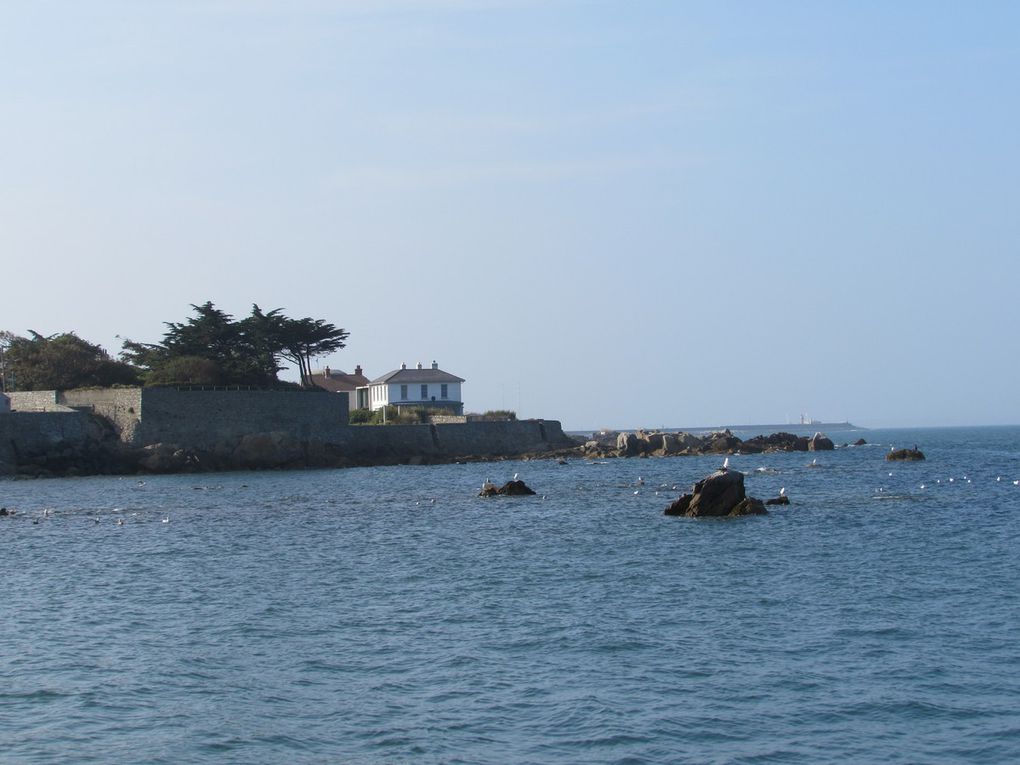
point(60, 362)
point(212, 348)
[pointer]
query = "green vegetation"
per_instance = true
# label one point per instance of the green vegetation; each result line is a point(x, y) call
point(213, 349)
point(210, 348)
point(415, 416)
point(58, 361)
point(394, 416)
point(494, 415)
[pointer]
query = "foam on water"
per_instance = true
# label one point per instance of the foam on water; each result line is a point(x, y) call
point(343, 616)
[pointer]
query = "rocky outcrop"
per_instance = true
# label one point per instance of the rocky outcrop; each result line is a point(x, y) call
point(905, 455)
point(167, 458)
point(820, 442)
point(782, 499)
point(776, 442)
point(662, 444)
point(719, 495)
point(509, 489)
point(277, 448)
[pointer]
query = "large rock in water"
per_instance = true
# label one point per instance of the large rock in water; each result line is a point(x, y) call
point(820, 443)
point(720, 495)
point(909, 455)
point(509, 489)
point(628, 445)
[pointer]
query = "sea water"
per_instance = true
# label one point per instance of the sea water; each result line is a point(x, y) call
point(390, 615)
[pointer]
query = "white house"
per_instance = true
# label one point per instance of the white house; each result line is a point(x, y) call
point(432, 388)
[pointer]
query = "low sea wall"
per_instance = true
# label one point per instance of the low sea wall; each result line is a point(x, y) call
point(167, 429)
point(370, 444)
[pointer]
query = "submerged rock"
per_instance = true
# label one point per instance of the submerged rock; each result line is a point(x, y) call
point(782, 499)
point(719, 495)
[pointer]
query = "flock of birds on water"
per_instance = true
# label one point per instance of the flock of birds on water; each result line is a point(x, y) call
point(487, 485)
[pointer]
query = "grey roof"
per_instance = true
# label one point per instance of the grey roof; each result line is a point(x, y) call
point(338, 381)
point(418, 376)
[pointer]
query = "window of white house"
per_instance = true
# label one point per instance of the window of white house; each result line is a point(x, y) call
point(424, 392)
point(403, 393)
point(443, 391)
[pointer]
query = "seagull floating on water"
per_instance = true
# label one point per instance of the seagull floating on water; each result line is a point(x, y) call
point(166, 519)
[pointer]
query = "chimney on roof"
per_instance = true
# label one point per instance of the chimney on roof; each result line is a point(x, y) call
point(357, 370)
point(435, 365)
point(403, 365)
point(419, 365)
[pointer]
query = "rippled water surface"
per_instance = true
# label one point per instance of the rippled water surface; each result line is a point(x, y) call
point(390, 615)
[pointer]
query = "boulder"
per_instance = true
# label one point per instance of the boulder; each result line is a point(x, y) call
point(782, 499)
point(820, 443)
point(509, 489)
point(166, 458)
point(723, 443)
point(860, 442)
point(719, 495)
point(775, 442)
point(908, 455)
point(654, 442)
point(267, 450)
point(628, 445)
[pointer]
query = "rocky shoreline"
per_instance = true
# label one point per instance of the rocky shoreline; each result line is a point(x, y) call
point(668, 444)
point(101, 452)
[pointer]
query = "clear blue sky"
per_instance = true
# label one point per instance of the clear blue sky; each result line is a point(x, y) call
point(615, 214)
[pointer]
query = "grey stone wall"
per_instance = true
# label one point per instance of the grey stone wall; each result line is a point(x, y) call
point(206, 419)
point(121, 406)
point(256, 429)
point(36, 401)
point(506, 438)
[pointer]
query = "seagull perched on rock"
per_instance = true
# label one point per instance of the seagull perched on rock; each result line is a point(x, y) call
point(782, 492)
point(726, 464)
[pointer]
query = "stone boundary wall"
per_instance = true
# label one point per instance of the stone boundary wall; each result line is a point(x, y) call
point(121, 406)
point(36, 401)
point(239, 428)
point(205, 419)
point(505, 438)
